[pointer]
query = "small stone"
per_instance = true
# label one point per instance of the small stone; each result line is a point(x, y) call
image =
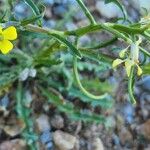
point(16, 144)
point(14, 128)
point(43, 123)
point(32, 72)
point(57, 122)
point(128, 112)
point(49, 24)
point(144, 129)
point(24, 74)
point(60, 10)
point(145, 83)
point(48, 13)
point(103, 8)
point(125, 136)
point(4, 102)
point(97, 144)
point(46, 136)
point(84, 40)
point(70, 26)
point(64, 141)
point(28, 98)
point(116, 139)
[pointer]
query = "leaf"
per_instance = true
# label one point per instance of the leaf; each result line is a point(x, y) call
point(34, 8)
point(146, 69)
point(47, 62)
point(118, 3)
point(30, 20)
point(67, 43)
point(105, 103)
point(67, 107)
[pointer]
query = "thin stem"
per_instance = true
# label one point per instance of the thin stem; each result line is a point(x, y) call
point(104, 44)
point(81, 31)
point(144, 51)
point(102, 26)
point(75, 70)
point(130, 86)
point(86, 12)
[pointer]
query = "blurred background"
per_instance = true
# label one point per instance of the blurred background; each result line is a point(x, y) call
point(29, 121)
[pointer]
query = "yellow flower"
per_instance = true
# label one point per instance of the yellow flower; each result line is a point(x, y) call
point(6, 36)
point(131, 60)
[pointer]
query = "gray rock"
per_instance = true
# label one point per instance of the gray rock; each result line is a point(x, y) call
point(57, 122)
point(145, 83)
point(140, 4)
point(43, 123)
point(63, 140)
point(108, 10)
point(97, 144)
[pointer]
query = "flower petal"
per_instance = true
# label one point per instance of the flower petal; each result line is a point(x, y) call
point(128, 65)
point(0, 30)
point(122, 52)
point(6, 46)
point(10, 33)
point(117, 62)
point(139, 70)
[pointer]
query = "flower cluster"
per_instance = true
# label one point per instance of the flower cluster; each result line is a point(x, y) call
point(130, 58)
point(6, 36)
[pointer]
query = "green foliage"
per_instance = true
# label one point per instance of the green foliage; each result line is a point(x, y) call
point(57, 58)
point(24, 114)
point(118, 3)
point(67, 107)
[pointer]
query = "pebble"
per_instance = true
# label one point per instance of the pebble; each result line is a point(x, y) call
point(27, 72)
point(145, 83)
point(57, 122)
point(84, 40)
point(125, 136)
point(110, 122)
point(24, 74)
point(60, 10)
point(103, 8)
point(79, 15)
point(144, 129)
point(4, 102)
point(70, 26)
point(43, 123)
point(21, 11)
point(63, 140)
point(116, 139)
point(49, 24)
point(16, 144)
point(128, 112)
point(97, 144)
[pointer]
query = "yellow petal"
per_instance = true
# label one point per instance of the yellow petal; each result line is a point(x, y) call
point(139, 70)
point(0, 29)
point(6, 46)
point(10, 33)
point(117, 62)
point(122, 52)
point(128, 65)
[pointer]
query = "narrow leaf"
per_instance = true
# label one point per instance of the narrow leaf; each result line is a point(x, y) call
point(118, 3)
point(67, 43)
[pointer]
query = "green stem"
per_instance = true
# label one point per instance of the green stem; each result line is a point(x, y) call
point(34, 28)
point(144, 51)
point(75, 70)
point(130, 86)
point(92, 28)
point(86, 12)
point(81, 31)
point(104, 44)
